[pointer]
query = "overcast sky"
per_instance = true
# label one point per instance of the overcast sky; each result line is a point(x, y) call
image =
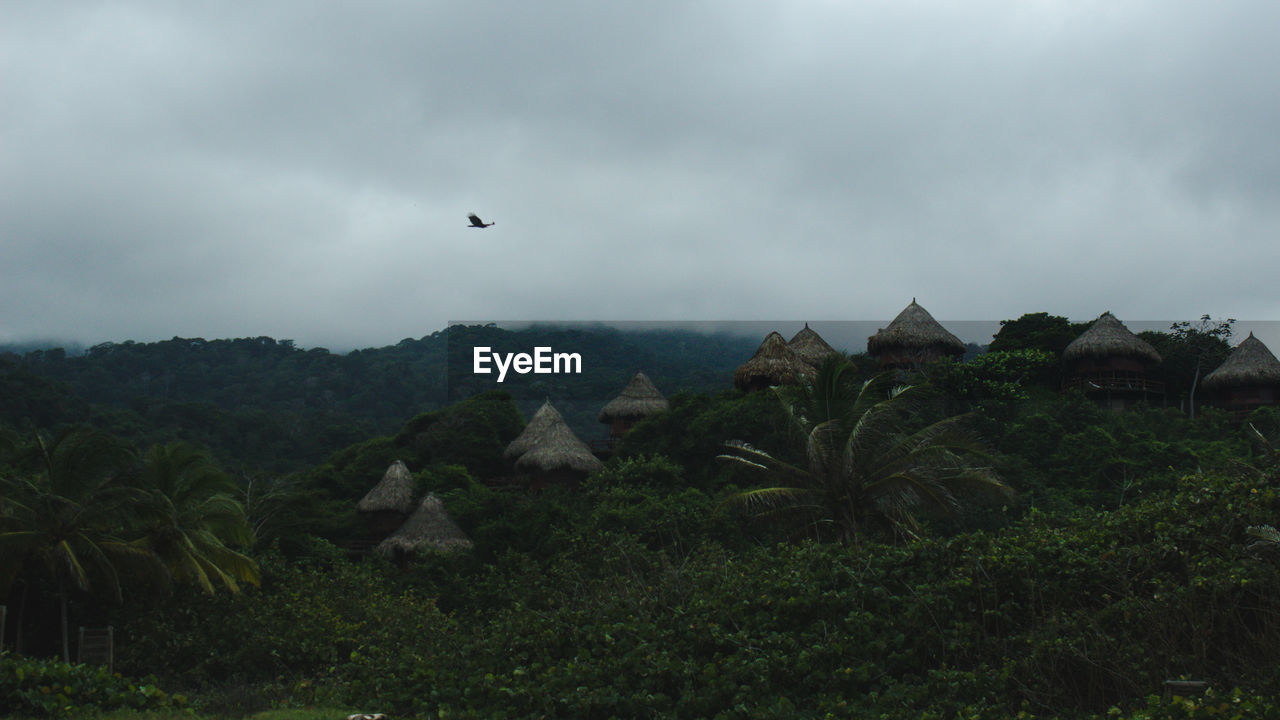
point(304, 170)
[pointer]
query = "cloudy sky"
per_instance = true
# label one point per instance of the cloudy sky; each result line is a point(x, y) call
point(304, 170)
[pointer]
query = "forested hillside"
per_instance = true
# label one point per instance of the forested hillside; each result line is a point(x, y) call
point(959, 540)
point(264, 405)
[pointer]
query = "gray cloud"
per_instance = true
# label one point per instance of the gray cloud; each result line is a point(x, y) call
point(304, 170)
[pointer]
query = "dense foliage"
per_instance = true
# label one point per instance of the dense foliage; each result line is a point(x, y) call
point(265, 406)
point(869, 460)
point(84, 514)
point(1050, 617)
point(1134, 552)
point(42, 688)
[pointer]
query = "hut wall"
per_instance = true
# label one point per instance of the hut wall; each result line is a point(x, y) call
point(1111, 371)
point(1113, 382)
point(384, 522)
point(1248, 397)
point(1102, 366)
point(904, 358)
point(619, 426)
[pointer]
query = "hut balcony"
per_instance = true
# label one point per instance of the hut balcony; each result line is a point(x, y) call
point(1122, 381)
point(607, 446)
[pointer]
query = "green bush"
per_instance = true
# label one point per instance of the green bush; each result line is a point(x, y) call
point(1235, 704)
point(45, 688)
point(1052, 617)
point(302, 622)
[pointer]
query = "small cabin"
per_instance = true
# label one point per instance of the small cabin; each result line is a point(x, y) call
point(1248, 379)
point(558, 457)
point(809, 346)
point(774, 363)
point(913, 339)
point(637, 401)
point(429, 528)
point(389, 503)
point(1109, 363)
point(546, 416)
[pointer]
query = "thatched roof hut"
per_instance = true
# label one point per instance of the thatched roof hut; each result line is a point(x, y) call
point(390, 501)
point(912, 338)
point(1109, 364)
point(1251, 363)
point(527, 439)
point(638, 400)
point(393, 492)
point(772, 364)
point(1107, 337)
point(557, 450)
point(810, 346)
point(428, 528)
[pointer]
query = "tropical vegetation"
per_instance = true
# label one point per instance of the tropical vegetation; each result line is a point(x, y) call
point(960, 541)
point(865, 466)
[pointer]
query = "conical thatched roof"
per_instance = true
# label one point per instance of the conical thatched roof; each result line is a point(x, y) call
point(428, 528)
point(640, 398)
point(393, 493)
point(914, 330)
point(810, 346)
point(773, 363)
point(524, 442)
point(1108, 337)
point(555, 447)
point(1251, 363)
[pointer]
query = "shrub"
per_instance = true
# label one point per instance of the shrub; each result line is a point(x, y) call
point(46, 688)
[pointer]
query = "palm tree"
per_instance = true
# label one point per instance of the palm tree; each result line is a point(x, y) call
point(267, 503)
point(71, 516)
point(864, 465)
point(191, 515)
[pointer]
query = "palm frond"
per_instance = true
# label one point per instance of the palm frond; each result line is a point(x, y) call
point(758, 460)
point(863, 457)
point(770, 502)
point(1268, 538)
point(743, 461)
point(64, 555)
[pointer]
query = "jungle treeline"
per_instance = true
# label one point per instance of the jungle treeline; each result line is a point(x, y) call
point(264, 405)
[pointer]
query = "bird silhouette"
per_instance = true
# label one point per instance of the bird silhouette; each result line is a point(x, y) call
point(476, 222)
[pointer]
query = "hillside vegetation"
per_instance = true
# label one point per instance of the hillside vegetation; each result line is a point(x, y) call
point(264, 405)
point(1043, 558)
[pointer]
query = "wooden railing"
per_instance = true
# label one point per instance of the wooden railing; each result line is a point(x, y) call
point(608, 445)
point(97, 646)
point(1095, 383)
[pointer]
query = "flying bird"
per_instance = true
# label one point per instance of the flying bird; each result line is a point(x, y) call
point(476, 222)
